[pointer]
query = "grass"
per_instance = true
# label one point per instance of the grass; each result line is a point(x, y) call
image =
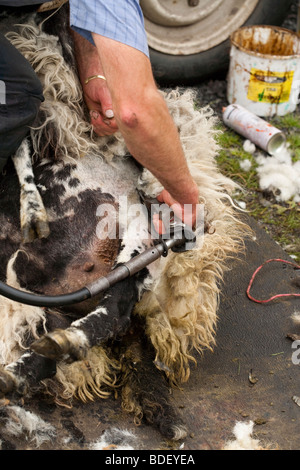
point(280, 219)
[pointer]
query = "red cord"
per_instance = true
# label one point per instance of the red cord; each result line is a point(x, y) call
point(274, 296)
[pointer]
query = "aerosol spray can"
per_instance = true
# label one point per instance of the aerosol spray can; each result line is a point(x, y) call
point(254, 128)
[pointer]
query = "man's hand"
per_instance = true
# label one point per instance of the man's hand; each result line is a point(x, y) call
point(98, 100)
point(95, 93)
point(187, 213)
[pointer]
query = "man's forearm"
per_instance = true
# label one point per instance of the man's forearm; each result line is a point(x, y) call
point(156, 145)
point(87, 57)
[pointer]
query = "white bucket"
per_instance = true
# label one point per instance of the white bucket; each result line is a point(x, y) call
point(264, 70)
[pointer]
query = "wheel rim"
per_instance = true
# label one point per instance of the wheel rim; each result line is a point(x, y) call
point(174, 27)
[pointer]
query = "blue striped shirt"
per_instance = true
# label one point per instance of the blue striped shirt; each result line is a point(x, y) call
point(20, 3)
point(121, 20)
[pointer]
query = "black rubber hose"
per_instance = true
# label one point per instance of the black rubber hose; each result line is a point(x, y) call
point(44, 300)
point(121, 272)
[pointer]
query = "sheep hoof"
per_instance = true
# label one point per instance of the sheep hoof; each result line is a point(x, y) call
point(53, 345)
point(7, 382)
point(42, 228)
point(33, 216)
point(32, 230)
point(28, 234)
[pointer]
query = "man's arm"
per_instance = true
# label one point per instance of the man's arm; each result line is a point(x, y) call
point(143, 118)
point(141, 114)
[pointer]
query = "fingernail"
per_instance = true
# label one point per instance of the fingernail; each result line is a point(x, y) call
point(109, 113)
point(94, 114)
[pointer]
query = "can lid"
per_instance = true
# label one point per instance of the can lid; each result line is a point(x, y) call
point(276, 143)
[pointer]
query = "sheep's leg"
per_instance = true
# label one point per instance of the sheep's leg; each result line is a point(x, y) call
point(23, 375)
point(145, 391)
point(110, 319)
point(33, 214)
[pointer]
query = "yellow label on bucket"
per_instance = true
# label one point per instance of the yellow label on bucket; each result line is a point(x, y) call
point(270, 87)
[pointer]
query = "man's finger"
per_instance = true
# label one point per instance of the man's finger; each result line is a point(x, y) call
point(166, 197)
point(106, 103)
point(158, 224)
point(186, 213)
point(102, 126)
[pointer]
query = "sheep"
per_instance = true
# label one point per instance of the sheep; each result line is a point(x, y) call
point(150, 324)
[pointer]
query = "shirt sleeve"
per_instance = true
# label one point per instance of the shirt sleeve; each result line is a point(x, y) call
point(121, 20)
